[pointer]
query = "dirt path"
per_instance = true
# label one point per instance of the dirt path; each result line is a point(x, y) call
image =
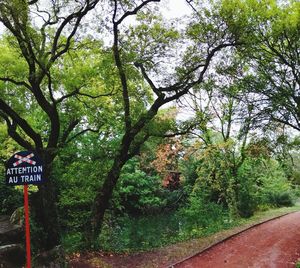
point(272, 244)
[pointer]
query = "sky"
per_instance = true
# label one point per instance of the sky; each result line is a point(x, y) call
point(176, 8)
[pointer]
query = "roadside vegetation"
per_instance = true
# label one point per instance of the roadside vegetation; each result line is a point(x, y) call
point(152, 130)
point(152, 208)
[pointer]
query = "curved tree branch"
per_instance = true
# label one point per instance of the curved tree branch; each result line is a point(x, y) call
point(12, 131)
point(17, 83)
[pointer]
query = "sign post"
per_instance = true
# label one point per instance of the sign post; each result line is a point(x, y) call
point(25, 168)
point(27, 226)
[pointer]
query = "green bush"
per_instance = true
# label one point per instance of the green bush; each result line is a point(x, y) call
point(275, 189)
point(246, 203)
point(284, 199)
point(73, 241)
point(131, 233)
point(200, 212)
point(247, 190)
point(262, 183)
point(137, 192)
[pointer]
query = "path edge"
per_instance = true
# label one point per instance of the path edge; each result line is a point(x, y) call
point(229, 237)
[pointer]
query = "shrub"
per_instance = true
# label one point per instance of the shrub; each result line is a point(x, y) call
point(128, 233)
point(284, 199)
point(262, 183)
point(275, 189)
point(201, 212)
point(247, 178)
point(246, 203)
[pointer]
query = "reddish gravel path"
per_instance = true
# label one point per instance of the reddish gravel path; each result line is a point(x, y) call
point(273, 244)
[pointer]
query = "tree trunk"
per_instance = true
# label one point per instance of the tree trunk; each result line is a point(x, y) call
point(101, 201)
point(45, 212)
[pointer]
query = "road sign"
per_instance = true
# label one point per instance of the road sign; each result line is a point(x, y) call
point(24, 168)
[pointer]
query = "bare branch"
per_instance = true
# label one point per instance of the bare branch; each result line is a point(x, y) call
point(134, 11)
point(50, 86)
point(145, 75)
point(96, 96)
point(81, 133)
point(78, 17)
point(71, 94)
point(67, 132)
point(286, 122)
point(123, 78)
point(17, 83)
point(12, 131)
point(6, 109)
point(179, 132)
point(76, 92)
point(190, 4)
point(32, 2)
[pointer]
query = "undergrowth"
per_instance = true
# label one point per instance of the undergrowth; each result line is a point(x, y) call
point(131, 234)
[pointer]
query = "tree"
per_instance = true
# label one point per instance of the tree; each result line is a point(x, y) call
point(226, 120)
point(270, 54)
point(38, 37)
point(268, 71)
point(206, 35)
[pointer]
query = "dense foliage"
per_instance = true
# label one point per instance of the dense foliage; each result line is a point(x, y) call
point(152, 130)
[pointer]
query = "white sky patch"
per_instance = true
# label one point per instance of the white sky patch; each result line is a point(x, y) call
point(175, 8)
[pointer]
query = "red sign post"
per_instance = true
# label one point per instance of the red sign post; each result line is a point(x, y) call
point(27, 226)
